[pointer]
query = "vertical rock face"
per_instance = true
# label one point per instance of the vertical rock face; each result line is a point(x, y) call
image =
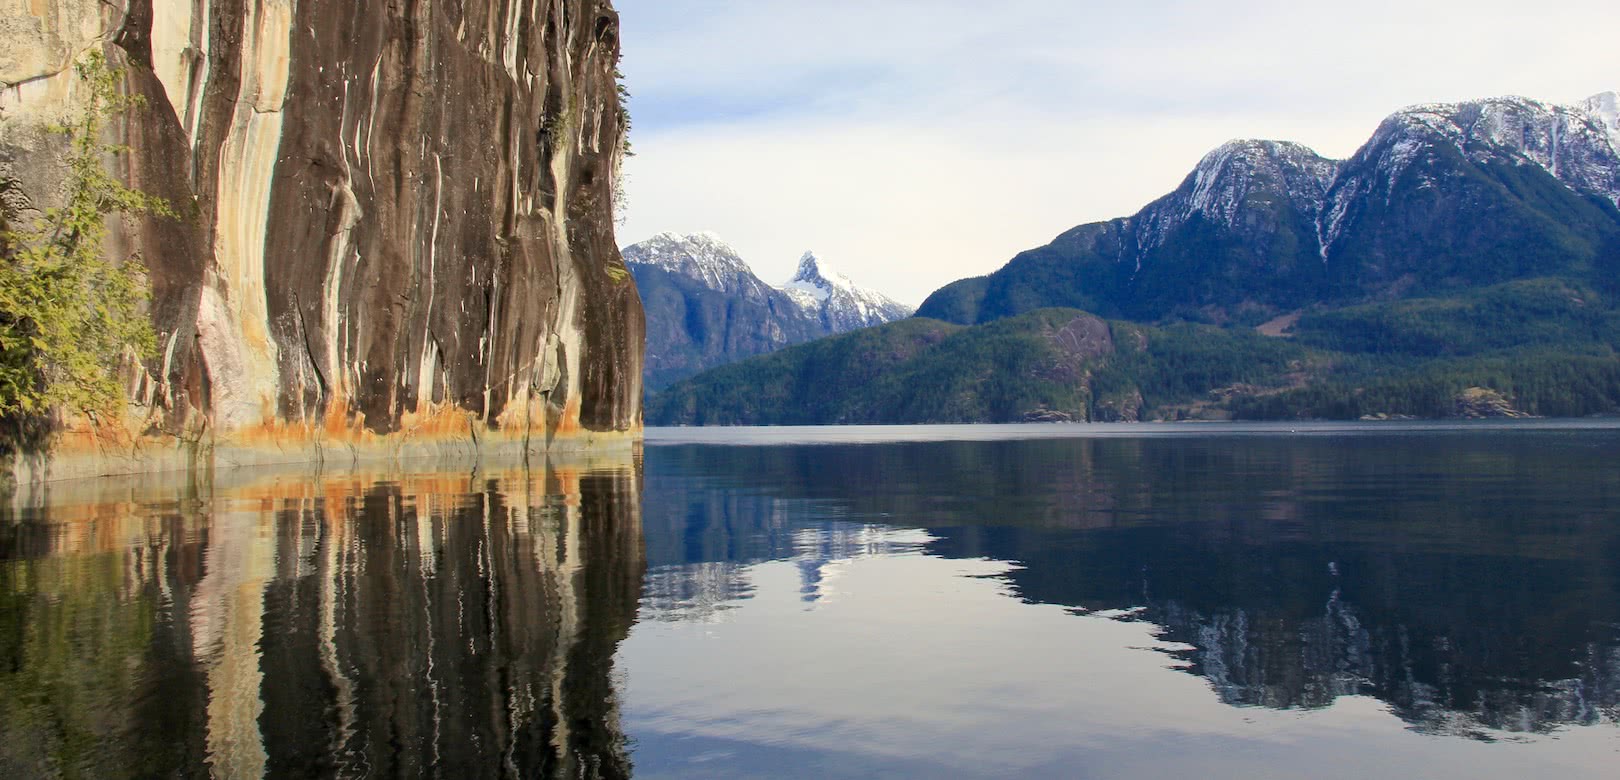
point(399, 222)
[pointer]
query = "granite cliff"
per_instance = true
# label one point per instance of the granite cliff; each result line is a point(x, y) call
point(398, 230)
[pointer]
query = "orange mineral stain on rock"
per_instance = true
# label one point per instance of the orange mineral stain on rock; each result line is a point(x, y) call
point(325, 277)
point(568, 424)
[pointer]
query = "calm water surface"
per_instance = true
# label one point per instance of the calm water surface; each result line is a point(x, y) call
point(1030, 601)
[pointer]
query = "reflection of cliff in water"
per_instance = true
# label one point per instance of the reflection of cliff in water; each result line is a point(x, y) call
point(1473, 589)
point(428, 626)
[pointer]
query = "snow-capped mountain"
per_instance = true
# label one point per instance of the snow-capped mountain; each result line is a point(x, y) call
point(1229, 181)
point(703, 257)
point(1578, 145)
point(706, 307)
point(841, 304)
point(1442, 197)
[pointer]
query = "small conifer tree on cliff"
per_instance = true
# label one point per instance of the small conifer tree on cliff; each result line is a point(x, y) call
point(69, 315)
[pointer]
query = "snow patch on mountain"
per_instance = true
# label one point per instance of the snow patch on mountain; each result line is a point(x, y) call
point(1605, 107)
point(1227, 176)
point(808, 284)
point(820, 292)
point(1579, 145)
point(842, 304)
point(1231, 178)
point(702, 256)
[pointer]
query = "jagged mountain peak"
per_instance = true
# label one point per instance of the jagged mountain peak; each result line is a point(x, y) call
point(1443, 195)
point(815, 275)
point(1578, 144)
point(843, 304)
point(731, 313)
point(809, 265)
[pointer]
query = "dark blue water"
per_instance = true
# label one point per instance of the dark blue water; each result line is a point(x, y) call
point(1035, 601)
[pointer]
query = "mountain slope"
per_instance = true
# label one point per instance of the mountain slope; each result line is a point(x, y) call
point(1542, 346)
point(1464, 262)
point(1052, 364)
point(706, 307)
point(1441, 198)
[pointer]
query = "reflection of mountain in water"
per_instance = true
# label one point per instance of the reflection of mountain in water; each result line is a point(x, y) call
point(1474, 590)
point(822, 553)
point(1252, 663)
point(700, 591)
point(709, 533)
point(431, 626)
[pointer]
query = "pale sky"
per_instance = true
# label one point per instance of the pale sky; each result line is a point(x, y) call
point(914, 143)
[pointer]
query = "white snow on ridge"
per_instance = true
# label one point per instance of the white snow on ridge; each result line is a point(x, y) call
point(1579, 144)
point(1225, 181)
point(1605, 108)
point(701, 256)
point(842, 304)
point(822, 293)
point(811, 281)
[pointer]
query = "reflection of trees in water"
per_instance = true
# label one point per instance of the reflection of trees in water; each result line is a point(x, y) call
point(434, 625)
point(1252, 661)
point(1473, 583)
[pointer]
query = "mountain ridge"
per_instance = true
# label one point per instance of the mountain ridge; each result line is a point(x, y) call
point(1293, 228)
point(1464, 261)
point(706, 307)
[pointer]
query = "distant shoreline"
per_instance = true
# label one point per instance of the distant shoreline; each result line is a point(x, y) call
point(900, 434)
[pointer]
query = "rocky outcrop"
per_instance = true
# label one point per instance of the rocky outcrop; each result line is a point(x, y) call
point(398, 234)
point(1479, 403)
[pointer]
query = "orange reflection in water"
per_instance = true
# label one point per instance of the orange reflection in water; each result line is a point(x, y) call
point(301, 623)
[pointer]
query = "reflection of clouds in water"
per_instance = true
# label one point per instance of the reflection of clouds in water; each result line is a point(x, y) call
point(1328, 586)
point(928, 662)
point(934, 664)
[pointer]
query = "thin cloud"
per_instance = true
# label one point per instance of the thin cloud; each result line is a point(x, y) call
point(915, 143)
